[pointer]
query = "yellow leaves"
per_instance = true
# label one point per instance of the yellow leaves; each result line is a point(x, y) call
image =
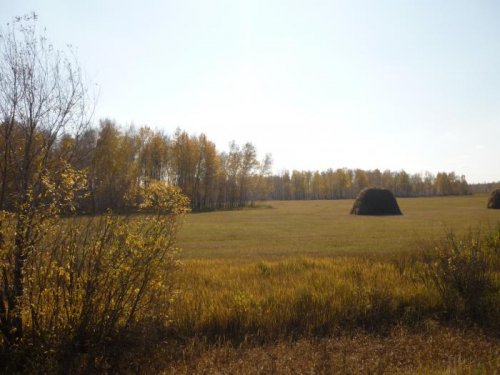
point(104, 266)
point(52, 192)
point(158, 197)
point(63, 273)
point(113, 270)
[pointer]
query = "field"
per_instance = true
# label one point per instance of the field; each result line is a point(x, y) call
point(284, 287)
point(304, 287)
point(325, 228)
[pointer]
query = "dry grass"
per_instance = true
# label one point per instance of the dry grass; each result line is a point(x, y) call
point(442, 351)
point(304, 287)
point(297, 296)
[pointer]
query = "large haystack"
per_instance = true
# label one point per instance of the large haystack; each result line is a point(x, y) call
point(375, 201)
point(494, 200)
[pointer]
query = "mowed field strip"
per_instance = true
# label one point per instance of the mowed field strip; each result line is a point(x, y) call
point(325, 228)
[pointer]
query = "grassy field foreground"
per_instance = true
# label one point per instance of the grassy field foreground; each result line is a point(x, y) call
point(309, 272)
point(435, 351)
point(308, 268)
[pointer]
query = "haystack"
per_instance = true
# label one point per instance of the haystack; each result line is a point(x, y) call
point(375, 201)
point(494, 200)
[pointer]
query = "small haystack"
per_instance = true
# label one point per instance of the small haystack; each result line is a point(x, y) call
point(375, 201)
point(494, 200)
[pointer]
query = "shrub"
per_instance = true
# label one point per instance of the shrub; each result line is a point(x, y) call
point(88, 283)
point(465, 273)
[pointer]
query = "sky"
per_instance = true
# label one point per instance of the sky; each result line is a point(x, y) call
point(399, 84)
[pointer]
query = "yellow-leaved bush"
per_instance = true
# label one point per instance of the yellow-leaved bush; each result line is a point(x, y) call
point(87, 282)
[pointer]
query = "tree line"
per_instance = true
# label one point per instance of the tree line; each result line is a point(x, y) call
point(347, 183)
point(118, 162)
point(484, 187)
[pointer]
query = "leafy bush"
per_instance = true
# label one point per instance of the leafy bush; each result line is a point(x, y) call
point(465, 272)
point(89, 282)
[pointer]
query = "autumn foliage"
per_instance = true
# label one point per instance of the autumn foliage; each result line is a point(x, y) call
point(71, 289)
point(86, 283)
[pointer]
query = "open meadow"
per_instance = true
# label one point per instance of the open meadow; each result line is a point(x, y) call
point(325, 228)
point(285, 287)
point(302, 286)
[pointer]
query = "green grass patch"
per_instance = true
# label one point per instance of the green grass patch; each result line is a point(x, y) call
point(325, 228)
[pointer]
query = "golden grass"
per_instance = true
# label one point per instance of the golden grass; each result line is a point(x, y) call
point(443, 351)
point(302, 287)
point(282, 290)
point(296, 296)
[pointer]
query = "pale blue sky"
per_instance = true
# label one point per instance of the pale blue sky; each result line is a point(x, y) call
point(398, 84)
